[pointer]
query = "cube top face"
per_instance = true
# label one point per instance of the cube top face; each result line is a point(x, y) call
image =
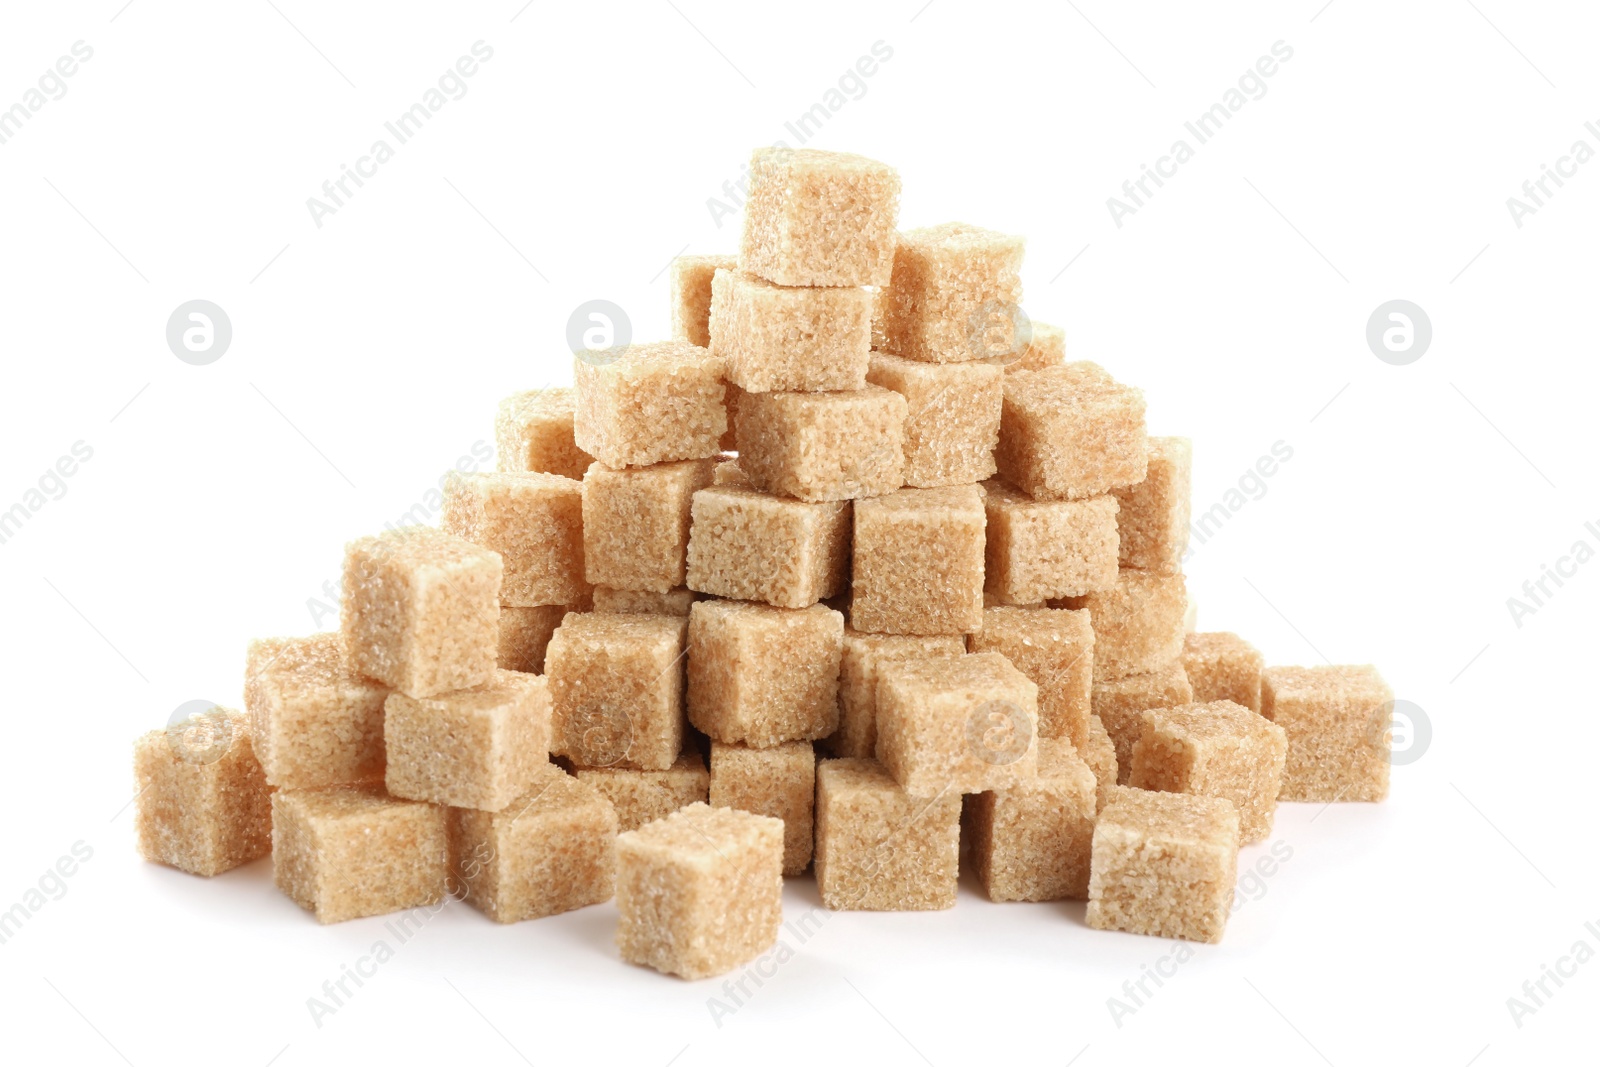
point(955, 242)
point(1292, 688)
point(1211, 650)
point(201, 741)
point(701, 836)
point(1060, 766)
point(552, 792)
point(338, 804)
point(819, 218)
point(1208, 726)
point(824, 446)
point(921, 505)
point(1046, 347)
point(976, 675)
point(417, 558)
point(305, 667)
point(653, 403)
point(594, 629)
point(1182, 820)
point(1070, 432)
point(481, 703)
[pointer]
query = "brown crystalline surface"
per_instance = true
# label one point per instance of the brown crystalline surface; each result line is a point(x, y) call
point(952, 417)
point(1138, 623)
point(1037, 550)
point(1046, 347)
point(640, 797)
point(1070, 432)
point(780, 782)
point(640, 602)
point(616, 689)
point(1120, 705)
point(636, 523)
point(1031, 840)
point(348, 852)
point(1100, 754)
point(313, 721)
point(1338, 723)
point(421, 610)
point(823, 446)
point(762, 675)
point(534, 521)
point(1163, 864)
point(777, 337)
point(551, 850)
point(879, 848)
point(751, 545)
point(474, 748)
point(1217, 749)
point(918, 562)
point(1053, 647)
point(1223, 666)
point(819, 218)
point(862, 654)
point(690, 281)
point(653, 403)
point(202, 804)
point(524, 635)
point(954, 294)
point(533, 432)
point(701, 891)
point(1153, 523)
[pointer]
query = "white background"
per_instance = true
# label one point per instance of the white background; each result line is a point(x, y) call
point(368, 355)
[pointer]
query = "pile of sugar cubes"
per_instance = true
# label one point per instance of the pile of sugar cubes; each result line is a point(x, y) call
point(856, 573)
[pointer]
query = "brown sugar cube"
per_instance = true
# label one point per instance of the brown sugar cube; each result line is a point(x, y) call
point(524, 635)
point(859, 660)
point(1153, 523)
point(534, 521)
point(1217, 749)
point(551, 850)
point(778, 337)
point(1031, 840)
point(1223, 666)
point(953, 294)
point(533, 432)
point(422, 610)
point(761, 675)
point(730, 404)
point(350, 851)
point(780, 782)
point(1038, 550)
point(1163, 864)
point(313, 721)
point(1100, 754)
point(654, 403)
point(1053, 647)
point(962, 724)
point(819, 218)
point(952, 417)
point(1138, 623)
point(616, 689)
point(728, 473)
point(641, 602)
point(751, 545)
point(640, 797)
point(636, 523)
point(878, 847)
point(880, 305)
point(918, 562)
point(1070, 432)
point(474, 748)
point(701, 891)
point(202, 805)
point(1120, 705)
point(824, 446)
point(690, 281)
point(1046, 347)
point(1337, 720)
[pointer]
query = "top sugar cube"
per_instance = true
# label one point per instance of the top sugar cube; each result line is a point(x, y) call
point(954, 293)
point(819, 218)
point(1070, 432)
point(654, 403)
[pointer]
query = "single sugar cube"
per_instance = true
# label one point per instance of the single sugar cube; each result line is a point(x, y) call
point(313, 721)
point(202, 805)
point(524, 635)
point(1153, 522)
point(474, 748)
point(1046, 347)
point(778, 337)
point(1120, 705)
point(535, 523)
point(422, 610)
point(643, 602)
point(824, 446)
point(880, 848)
point(1163, 864)
point(690, 281)
point(1338, 723)
point(751, 545)
point(533, 432)
point(780, 782)
point(636, 523)
point(641, 797)
point(1100, 754)
point(551, 850)
point(654, 403)
point(1138, 622)
point(1223, 666)
point(1217, 749)
point(1053, 647)
point(701, 891)
point(1038, 550)
point(918, 562)
point(351, 851)
point(1031, 840)
point(819, 218)
point(762, 675)
point(859, 660)
point(616, 689)
point(952, 417)
point(960, 725)
point(1070, 432)
point(954, 294)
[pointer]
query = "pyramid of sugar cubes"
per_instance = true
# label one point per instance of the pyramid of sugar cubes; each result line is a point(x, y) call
point(857, 573)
